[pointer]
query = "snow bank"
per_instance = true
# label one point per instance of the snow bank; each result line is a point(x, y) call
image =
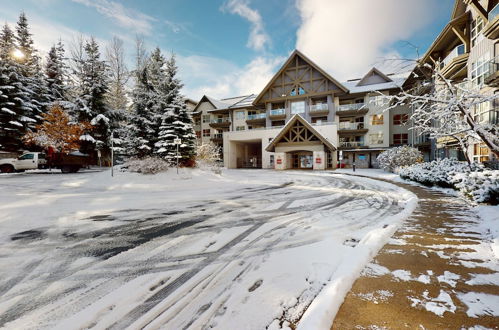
point(489, 226)
point(324, 308)
point(476, 183)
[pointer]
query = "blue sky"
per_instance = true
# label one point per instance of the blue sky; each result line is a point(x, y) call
point(232, 47)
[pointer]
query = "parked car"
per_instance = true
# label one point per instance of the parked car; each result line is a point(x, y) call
point(67, 163)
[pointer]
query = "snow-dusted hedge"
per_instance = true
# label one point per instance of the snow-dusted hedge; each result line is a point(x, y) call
point(392, 158)
point(474, 182)
point(148, 165)
point(480, 186)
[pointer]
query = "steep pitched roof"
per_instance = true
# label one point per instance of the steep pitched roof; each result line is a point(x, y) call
point(295, 53)
point(297, 118)
point(373, 72)
point(217, 104)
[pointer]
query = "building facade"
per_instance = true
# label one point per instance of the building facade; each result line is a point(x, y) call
point(306, 119)
point(467, 52)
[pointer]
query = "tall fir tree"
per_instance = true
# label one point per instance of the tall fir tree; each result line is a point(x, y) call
point(15, 112)
point(176, 122)
point(56, 73)
point(140, 131)
point(90, 103)
point(30, 69)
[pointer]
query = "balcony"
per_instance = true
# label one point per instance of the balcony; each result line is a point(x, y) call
point(352, 145)
point(319, 109)
point(257, 118)
point(277, 113)
point(491, 78)
point(351, 128)
point(352, 109)
point(217, 138)
point(220, 122)
point(491, 29)
point(454, 61)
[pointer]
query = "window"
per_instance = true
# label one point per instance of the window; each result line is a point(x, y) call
point(240, 128)
point(206, 118)
point(198, 134)
point(400, 119)
point(295, 91)
point(377, 101)
point(479, 69)
point(400, 138)
point(278, 123)
point(297, 107)
point(271, 160)
point(240, 115)
point(480, 152)
point(476, 29)
point(206, 132)
point(377, 120)
point(376, 138)
point(27, 156)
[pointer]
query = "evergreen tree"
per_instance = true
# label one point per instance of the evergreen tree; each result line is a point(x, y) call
point(140, 131)
point(14, 109)
point(30, 70)
point(90, 104)
point(176, 121)
point(55, 72)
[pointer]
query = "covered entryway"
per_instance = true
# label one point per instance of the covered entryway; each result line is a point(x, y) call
point(303, 160)
point(299, 146)
point(249, 154)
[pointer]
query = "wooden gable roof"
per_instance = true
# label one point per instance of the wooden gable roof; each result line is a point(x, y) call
point(373, 72)
point(298, 130)
point(297, 74)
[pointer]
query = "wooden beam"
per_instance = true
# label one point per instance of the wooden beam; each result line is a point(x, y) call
point(479, 9)
point(464, 39)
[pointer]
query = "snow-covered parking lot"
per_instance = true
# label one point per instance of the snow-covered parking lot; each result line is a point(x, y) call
point(249, 249)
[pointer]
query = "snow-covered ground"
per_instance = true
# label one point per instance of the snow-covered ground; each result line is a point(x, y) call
point(244, 250)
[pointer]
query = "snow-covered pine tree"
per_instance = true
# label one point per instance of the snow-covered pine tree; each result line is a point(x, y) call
point(159, 98)
point(31, 72)
point(176, 121)
point(140, 132)
point(56, 73)
point(13, 98)
point(90, 103)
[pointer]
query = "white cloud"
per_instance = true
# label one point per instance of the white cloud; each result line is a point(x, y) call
point(125, 17)
point(221, 78)
point(349, 37)
point(258, 38)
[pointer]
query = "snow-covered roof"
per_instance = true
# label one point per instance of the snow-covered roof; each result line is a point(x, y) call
point(244, 102)
point(397, 82)
point(218, 104)
point(232, 102)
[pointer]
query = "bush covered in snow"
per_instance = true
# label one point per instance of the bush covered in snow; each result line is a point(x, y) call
point(473, 181)
point(399, 156)
point(147, 165)
point(208, 156)
point(480, 186)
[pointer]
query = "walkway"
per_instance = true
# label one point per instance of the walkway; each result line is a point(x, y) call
point(429, 276)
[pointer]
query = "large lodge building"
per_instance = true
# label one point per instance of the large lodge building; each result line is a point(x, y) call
point(306, 119)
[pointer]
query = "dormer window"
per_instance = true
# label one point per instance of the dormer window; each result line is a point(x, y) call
point(297, 91)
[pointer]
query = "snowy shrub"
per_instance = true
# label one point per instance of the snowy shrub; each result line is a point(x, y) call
point(480, 186)
point(472, 181)
point(208, 156)
point(392, 158)
point(147, 165)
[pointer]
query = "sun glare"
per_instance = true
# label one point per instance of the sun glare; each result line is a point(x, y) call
point(17, 53)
